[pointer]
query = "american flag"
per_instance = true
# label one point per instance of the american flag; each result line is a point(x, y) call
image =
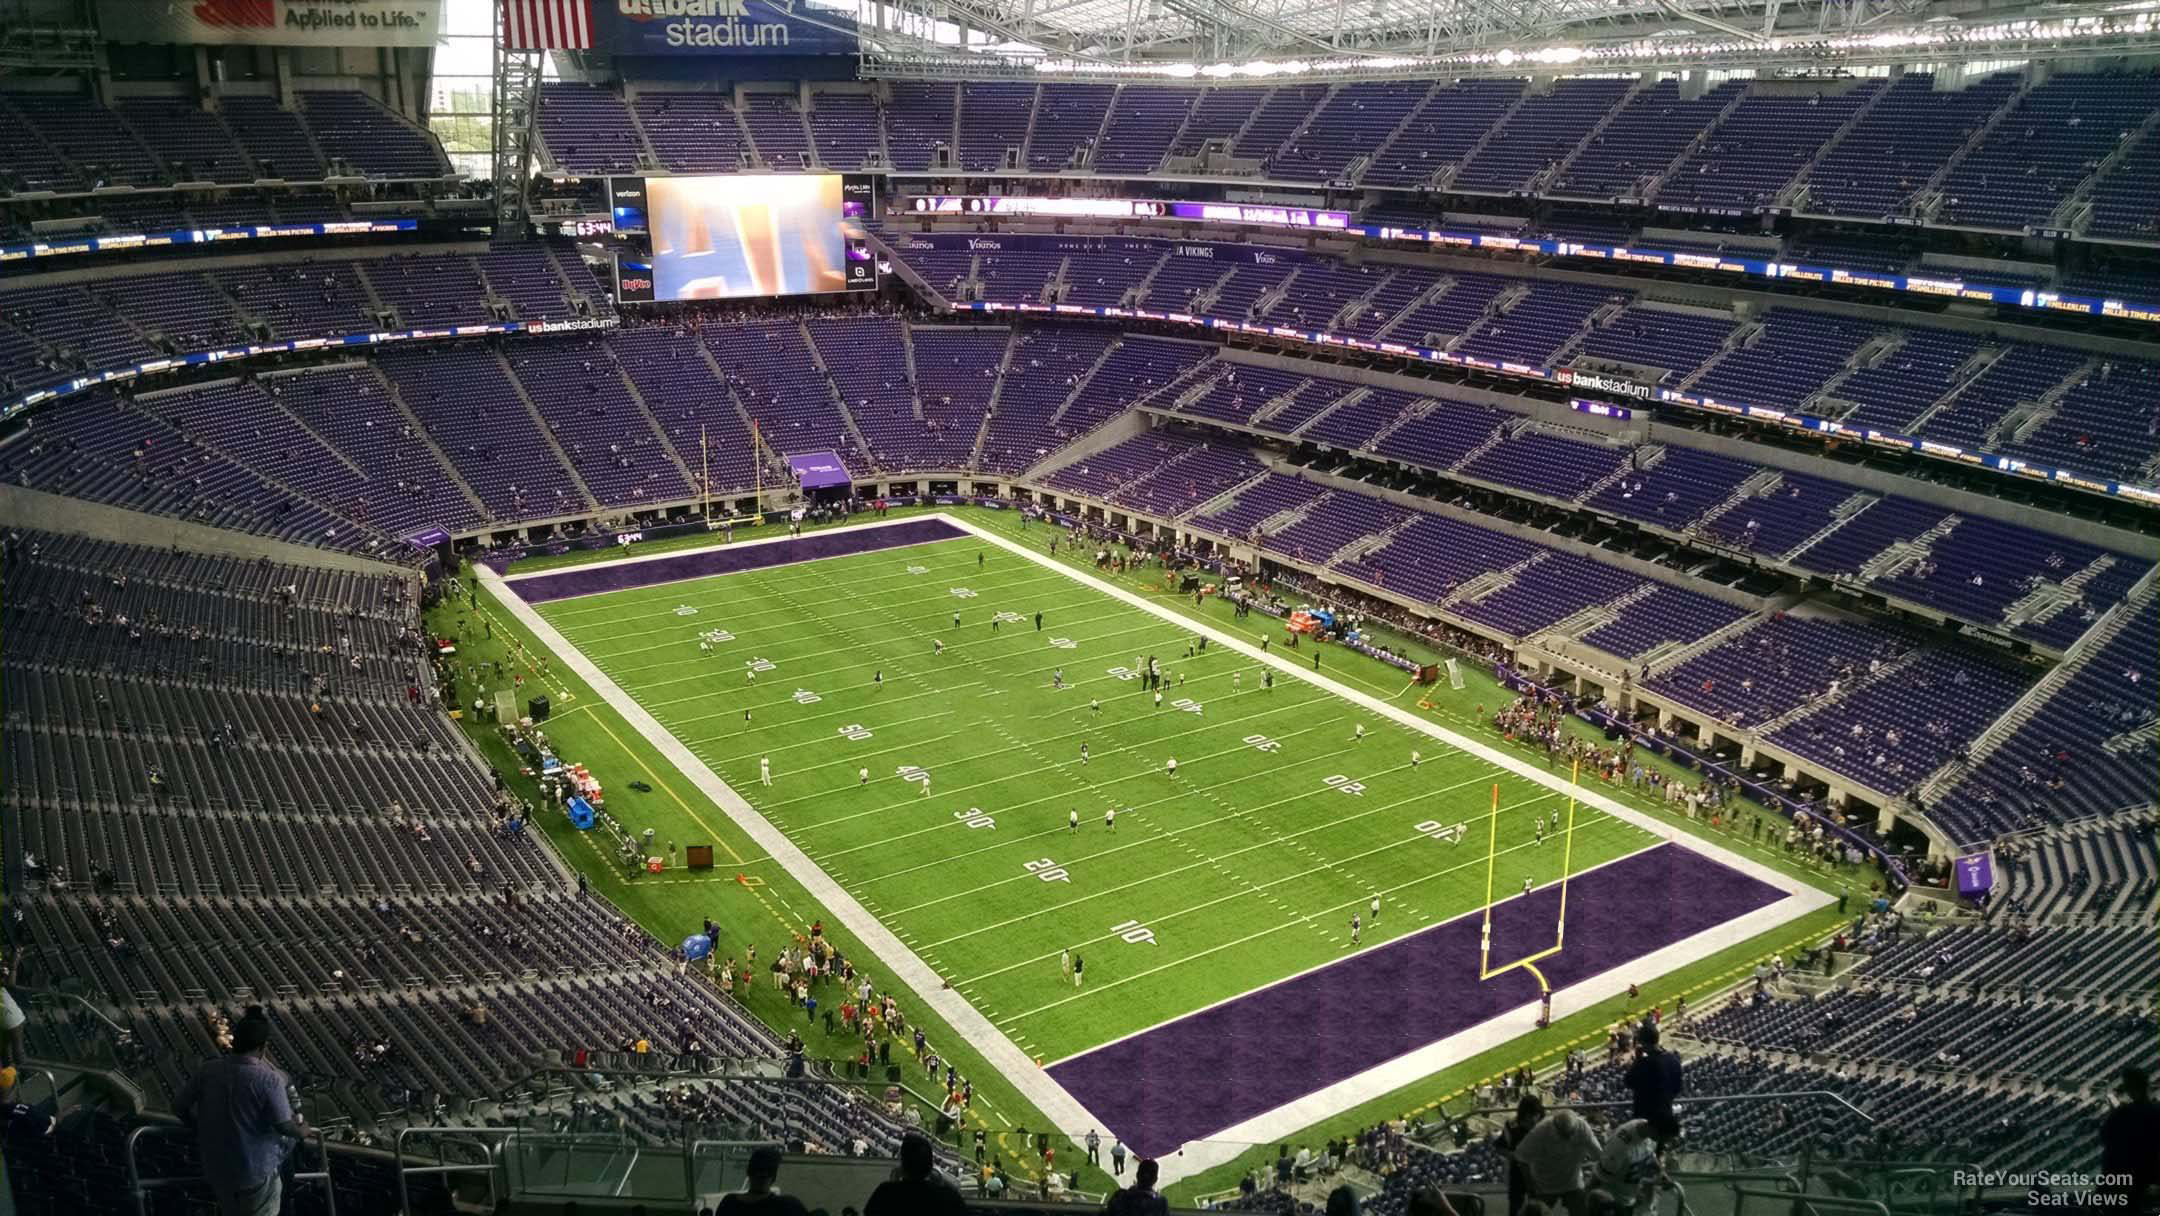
point(547, 25)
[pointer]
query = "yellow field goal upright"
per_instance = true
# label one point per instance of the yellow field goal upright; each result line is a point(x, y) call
point(1486, 969)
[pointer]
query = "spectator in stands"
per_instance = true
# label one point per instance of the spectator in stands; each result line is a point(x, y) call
point(2130, 1142)
point(20, 1119)
point(1140, 1198)
point(1654, 1080)
point(241, 1109)
point(11, 1017)
point(1553, 1156)
point(758, 1197)
point(1527, 1113)
point(919, 1190)
point(1628, 1169)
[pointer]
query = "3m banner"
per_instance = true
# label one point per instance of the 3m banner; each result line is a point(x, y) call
point(547, 25)
point(721, 27)
point(274, 22)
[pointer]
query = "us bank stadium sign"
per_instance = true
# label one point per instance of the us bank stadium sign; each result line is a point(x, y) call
point(722, 27)
point(1599, 383)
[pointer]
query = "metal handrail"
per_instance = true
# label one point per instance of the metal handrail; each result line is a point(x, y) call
point(690, 1156)
point(1819, 1203)
point(1695, 1101)
point(21, 1074)
point(576, 1076)
point(140, 1187)
point(451, 1135)
point(615, 1140)
point(46, 998)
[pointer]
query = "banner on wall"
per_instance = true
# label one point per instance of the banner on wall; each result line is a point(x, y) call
point(721, 27)
point(273, 22)
point(1244, 253)
point(633, 281)
point(817, 470)
point(1975, 875)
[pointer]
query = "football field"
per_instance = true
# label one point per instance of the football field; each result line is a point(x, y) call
point(939, 788)
point(996, 792)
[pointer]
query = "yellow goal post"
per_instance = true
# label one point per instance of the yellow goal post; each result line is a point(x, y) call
point(1486, 969)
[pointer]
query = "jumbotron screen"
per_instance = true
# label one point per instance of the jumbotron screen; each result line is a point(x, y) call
point(719, 238)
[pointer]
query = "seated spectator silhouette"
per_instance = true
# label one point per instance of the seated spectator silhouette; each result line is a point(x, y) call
point(758, 1196)
point(1527, 1114)
point(918, 1191)
point(1139, 1199)
point(2130, 1144)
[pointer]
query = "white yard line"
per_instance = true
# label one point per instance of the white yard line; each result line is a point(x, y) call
point(1332, 1100)
point(1353, 904)
point(1103, 756)
point(750, 543)
point(1267, 845)
point(698, 578)
point(1063, 1109)
point(855, 587)
point(1278, 1124)
point(1491, 755)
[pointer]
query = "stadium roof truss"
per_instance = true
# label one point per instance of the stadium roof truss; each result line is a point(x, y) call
point(1126, 39)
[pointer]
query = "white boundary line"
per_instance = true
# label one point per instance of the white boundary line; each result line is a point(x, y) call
point(1272, 1126)
point(580, 567)
point(1276, 1125)
point(1072, 1119)
point(1322, 966)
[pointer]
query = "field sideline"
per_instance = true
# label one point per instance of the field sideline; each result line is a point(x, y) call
point(1244, 870)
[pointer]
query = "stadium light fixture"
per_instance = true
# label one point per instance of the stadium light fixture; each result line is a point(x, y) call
point(2121, 29)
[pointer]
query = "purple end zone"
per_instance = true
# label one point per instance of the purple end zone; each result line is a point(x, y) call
point(731, 559)
point(1188, 1079)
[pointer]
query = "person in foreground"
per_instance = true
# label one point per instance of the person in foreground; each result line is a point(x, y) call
point(1654, 1079)
point(918, 1191)
point(1139, 1199)
point(240, 1108)
point(2130, 1145)
point(1553, 1156)
point(758, 1195)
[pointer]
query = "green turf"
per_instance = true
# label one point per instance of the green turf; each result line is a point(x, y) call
point(774, 907)
point(1246, 867)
